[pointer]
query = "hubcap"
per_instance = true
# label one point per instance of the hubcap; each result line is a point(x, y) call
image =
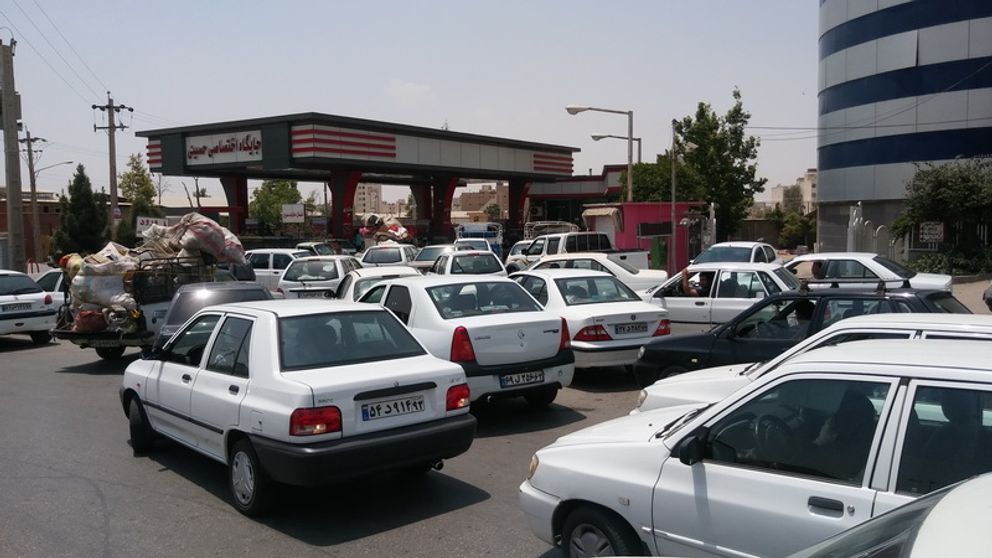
point(242, 478)
point(588, 540)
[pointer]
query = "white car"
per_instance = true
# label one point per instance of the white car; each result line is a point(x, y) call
point(286, 392)
point(384, 255)
point(607, 320)
point(53, 282)
point(712, 384)
point(269, 263)
point(479, 244)
point(357, 281)
point(738, 251)
point(824, 442)
point(733, 288)
point(315, 276)
point(25, 307)
point(428, 255)
point(636, 279)
point(471, 262)
point(505, 342)
point(863, 270)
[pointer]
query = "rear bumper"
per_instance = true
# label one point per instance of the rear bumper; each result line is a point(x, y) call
point(320, 463)
point(27, 322)
point(591, 357)
point(105, 338)
point(484, 380)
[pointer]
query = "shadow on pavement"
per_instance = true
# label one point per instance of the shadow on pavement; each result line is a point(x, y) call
point(514, 416)
point(16, 342)
point(99, 366)
point(335, 514)
point(604, 380)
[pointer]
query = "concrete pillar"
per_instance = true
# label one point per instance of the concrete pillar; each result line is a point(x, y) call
point(422, 197)
point(343, 185)
point(236, 190)
point(515, 213)
point(443, 188)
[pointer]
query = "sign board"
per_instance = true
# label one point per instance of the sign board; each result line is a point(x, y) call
point(292, 213)
point(654, 229)
point(143, 223)
point(931, 231)
point(117, 213)
point(236, 147)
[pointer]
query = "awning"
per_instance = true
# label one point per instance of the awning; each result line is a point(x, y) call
point(612, 212)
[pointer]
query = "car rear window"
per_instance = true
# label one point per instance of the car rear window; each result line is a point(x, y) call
point(383, 255)
point(788, 278)
point(895, 267)
point(319, 270)
point(339, 338)
point(945, 302)
point(475, 264)
point(482, 298)
point(724, 254)
point(431, 254)
point(188, 303)
point(594, 290)
point(18, 284)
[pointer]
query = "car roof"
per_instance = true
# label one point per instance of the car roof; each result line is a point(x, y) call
point(438, 246)
point(436, 280)
point(739, 244)
point(575, 255)
point(855, 293)
point(329, 258)
point(289, 251)
point(310, 243)
point(384, 246)
point(461, 253)
point(10, 272)
point(956, 353)
point(830, 255)
point(222, 286)
point(956, 524)
point(293, 307)
point(564, 273)
point(384, 270)
point(921, 320)
point(734, 266)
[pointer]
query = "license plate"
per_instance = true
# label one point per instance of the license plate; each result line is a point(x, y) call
point(521, 379)
point(393, 407)
point(626, 329)
point(16, 307)
point(311, 294)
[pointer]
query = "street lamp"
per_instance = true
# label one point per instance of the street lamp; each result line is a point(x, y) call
point(597, 137)
point(576, 109)
point(35, 225)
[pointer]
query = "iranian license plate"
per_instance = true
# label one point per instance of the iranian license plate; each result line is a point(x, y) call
point(393, 407)
point(311, 294)
point(521, 379)
point(626, 329)
point(17, 307)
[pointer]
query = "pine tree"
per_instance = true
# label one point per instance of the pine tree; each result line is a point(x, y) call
point(136, 185)
point(83, 219)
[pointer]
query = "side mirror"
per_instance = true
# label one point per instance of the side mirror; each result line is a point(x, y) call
point(155, 353)
point(691, 449)
point(794, 270)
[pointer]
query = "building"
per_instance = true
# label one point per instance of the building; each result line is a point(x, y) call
point(900, 82)
point(397, 208)
point(479, 200)
point(807, 187)
point(368, 198)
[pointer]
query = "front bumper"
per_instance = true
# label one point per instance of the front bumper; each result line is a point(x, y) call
point(324, 462)
point(27, 322)
point(539, 509)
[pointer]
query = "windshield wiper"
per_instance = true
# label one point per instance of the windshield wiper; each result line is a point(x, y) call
point(752, 366)
point(675, 424)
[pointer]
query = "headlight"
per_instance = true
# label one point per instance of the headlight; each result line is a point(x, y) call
point(640, 352)
point(534, 462)
point(641, 397)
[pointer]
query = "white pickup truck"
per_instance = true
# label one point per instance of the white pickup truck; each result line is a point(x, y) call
point(572, 242)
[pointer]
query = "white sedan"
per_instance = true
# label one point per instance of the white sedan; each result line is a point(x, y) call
point(607, 320)
point(25, 307)
point(325, 393)
point(636, 279)
point(468, 263)
point(863, 270)
point(725, 289)
point(356, 282)
point(505, 342)
point(315, 276)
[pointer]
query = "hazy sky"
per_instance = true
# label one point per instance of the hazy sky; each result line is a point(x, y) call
point(504, 68)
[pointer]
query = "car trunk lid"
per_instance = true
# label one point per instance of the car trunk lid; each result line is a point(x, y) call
point(513, 338)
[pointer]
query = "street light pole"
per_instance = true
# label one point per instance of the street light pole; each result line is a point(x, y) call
point(576, 109)
point(671, 251)
point(597, 137)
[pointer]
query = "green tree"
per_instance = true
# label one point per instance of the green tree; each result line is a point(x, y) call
point(136, 185)
point(792, 199)
point(493, 212)
point(411, 205)
point(83, 218)
point(653, 181)
point(267, 201)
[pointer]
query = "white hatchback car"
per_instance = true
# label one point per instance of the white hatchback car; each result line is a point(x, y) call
point(468, 263)
point(269, 263)
point(315, 276)
point(283, 392)
point(636, 279)
point(863, 270)
point(25, 307)
point(505, 342)
point(356, 282)
point(824, 442)
point(607, 320)
point(384, 255)
point(738, 251)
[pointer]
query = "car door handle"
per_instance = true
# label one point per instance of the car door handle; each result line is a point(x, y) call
point(233, 390)
point(827, 504)
point(699, 303)
point(187, 378)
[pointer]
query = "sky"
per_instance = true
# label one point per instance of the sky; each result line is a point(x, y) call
point(503, 68)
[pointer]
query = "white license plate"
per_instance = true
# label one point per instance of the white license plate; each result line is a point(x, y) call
point(626, 329)
point(521, 379)
point(311, 294)
point(16, 307)
point(393, 407)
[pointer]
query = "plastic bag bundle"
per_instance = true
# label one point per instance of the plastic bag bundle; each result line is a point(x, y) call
point(204, 235)
point(102, 284)
point(88, 321)
point(119, 319)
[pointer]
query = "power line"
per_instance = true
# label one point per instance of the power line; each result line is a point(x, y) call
point(43, 59)
point(56, 27)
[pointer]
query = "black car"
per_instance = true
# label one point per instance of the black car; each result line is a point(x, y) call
point(776, 323)
point(189, 299)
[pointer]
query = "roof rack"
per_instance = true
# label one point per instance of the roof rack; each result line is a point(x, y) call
point(835, 283)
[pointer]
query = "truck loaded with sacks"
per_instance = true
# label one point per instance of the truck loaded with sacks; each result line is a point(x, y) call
point(118, 297)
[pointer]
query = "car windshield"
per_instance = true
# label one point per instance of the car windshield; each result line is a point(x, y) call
point(431, 253)
point(594, 290)
point(323, 250)
point(788, 278)
point(188, 303)
point(945, 302)
point(724, 254)
point(383, 255)
point(895, 267)
point(338, 338)
point(626, 267)
point(363, 285)
point(467, 244)
point(18, 284)
point(482, 298)
point(469, 264)
point(519, 248)
point(313, 270)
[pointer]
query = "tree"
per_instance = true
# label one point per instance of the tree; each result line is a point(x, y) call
point(493, 212)
point(137, 186)
point(792, 199)
point(83, 218)
point(653, 181)
point(267, 201)
point(411, 205)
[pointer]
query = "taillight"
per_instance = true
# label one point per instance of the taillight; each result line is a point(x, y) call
point(314, 421)
point(48, 299)
point(593, 333)
point(566, 337)
point(664, 328)
point(458, 397)
point(461, 346)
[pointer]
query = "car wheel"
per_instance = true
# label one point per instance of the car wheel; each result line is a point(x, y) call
point(251, 488)
point(110, 353)
point(142, 435)
point(40, 337)
point(541, 397)
point(593, 532)
point(673, 371)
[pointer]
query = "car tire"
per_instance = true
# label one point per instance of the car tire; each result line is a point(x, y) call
point(110, 353)
point(142, 435)
point(590, 531)
point(41, 337)
point(540, 398)
point(252, 492)
point(670, 371)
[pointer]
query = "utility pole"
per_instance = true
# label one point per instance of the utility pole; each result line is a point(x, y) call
point(111, 109)
point(35, 225)
point(10, 112)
